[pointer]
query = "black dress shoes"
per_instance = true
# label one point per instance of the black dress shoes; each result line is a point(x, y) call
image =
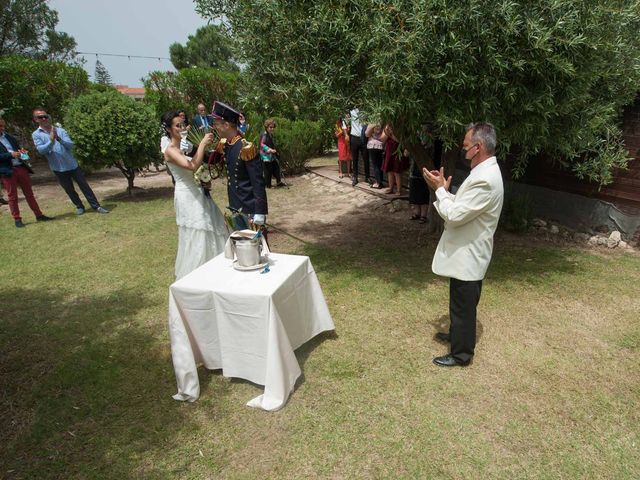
point(449, 361)
point(443, 337)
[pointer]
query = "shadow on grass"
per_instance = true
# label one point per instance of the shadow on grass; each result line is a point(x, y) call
point(85, 391)
point(44, 176)
point(67, 215)
point(396, 250)
point(441, 324)
point(302, 354)
point(141, 194)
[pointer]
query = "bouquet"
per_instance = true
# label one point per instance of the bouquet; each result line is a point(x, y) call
point(195, 136)
point(203, 175)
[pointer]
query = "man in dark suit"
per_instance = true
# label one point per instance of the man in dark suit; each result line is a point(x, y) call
point(14, 173)
point(201, 120)
point(245, 186)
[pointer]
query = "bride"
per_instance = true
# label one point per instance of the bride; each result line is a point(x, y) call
point(202, 231)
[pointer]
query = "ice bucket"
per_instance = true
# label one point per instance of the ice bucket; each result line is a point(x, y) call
point(247, 248)
point(248, 252)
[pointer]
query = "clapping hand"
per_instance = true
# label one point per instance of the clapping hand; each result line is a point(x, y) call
point(436, 179)
point(54, 134)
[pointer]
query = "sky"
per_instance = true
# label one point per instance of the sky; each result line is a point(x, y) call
point(128, 27)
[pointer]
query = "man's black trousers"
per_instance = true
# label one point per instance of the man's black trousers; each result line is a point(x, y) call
point(463, 301)
point(358, 147)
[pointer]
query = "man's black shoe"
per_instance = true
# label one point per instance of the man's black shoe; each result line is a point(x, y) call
point(443, 337)
point(449, 361)
point(354, 182)
point(19, 224)
point(43, 218)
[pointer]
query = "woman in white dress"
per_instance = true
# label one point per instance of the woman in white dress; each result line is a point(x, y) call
point(202, 231)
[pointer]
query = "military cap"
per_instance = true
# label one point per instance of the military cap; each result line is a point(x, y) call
point(223, 111)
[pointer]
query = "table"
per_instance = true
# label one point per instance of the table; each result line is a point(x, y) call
point(246, 323)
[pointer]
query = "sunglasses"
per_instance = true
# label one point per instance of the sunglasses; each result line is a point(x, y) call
point(42, 117)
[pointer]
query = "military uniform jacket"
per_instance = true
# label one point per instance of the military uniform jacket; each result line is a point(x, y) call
point(246, 183)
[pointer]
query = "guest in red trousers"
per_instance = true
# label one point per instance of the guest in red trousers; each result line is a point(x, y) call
point(13, 174)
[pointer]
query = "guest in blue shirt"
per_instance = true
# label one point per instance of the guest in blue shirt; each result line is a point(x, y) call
point(55, 144)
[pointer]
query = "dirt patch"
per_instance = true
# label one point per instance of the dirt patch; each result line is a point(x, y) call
point(314, 208)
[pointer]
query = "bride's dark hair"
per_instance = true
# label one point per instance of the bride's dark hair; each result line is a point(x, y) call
point(166, 120)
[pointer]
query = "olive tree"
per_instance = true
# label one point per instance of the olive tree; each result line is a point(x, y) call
point(552, 75)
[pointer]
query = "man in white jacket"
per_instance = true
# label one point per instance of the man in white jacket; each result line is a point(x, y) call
point(464, 251)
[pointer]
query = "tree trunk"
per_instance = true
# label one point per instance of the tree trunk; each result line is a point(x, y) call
point(130, 178)
point(129, 174)
point(436, 224)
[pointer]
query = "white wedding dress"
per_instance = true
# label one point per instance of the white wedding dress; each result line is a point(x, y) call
point(202, 232)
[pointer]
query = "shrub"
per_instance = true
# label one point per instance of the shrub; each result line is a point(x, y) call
point(26, 84)
point(112, 130)
point(297, 141)
point(186, 88)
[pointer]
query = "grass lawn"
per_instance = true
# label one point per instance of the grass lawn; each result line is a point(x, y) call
point(86, 376)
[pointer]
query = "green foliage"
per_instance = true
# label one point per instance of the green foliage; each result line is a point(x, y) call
point(185, 89)
point(297, 141)
point(112, 130)
point(97, 87)
point(517, 212)
point(27, 83)
point(101, 75)
point(28, 28)
point(210, 47)
point(551, 75)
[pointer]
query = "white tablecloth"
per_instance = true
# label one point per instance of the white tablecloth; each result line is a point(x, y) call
point(246, 323)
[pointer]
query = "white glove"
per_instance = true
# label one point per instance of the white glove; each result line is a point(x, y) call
point(259, 218)
point(185, 145)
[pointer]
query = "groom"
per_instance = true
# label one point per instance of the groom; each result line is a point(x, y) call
point(245, 184)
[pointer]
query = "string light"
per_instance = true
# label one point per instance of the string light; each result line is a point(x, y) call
point(122, 55)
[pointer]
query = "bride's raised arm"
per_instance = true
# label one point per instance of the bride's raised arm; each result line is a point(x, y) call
point(174, 154)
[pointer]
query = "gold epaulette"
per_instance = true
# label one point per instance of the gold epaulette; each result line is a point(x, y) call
point(249, 151)
point(220, 146)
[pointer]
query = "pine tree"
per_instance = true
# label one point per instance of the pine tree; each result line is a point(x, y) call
point(101, 75)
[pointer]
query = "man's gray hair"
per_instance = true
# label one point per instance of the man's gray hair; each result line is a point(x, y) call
point(484, 132)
